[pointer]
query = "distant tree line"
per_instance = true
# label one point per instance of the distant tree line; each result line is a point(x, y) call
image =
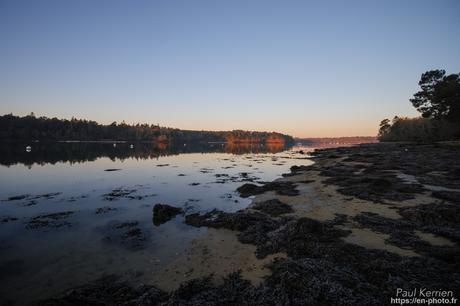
point(53, 129)
point(438, 101)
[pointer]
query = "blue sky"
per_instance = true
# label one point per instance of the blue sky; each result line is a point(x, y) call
point(307, 68)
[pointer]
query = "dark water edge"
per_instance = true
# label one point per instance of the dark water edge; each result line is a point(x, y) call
point(29, 153)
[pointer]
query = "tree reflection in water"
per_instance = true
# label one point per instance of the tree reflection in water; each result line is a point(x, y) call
point(41, 153)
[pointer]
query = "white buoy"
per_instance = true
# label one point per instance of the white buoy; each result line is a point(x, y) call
point(114, 145)
point(28, 148)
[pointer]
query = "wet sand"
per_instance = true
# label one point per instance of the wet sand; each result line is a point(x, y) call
point(219, 252)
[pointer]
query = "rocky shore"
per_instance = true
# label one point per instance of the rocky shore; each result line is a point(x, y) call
point(350, 229)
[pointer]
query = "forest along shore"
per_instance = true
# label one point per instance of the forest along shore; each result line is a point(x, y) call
point(352, 228)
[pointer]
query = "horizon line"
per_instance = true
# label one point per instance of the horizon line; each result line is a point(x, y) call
point(186, 129)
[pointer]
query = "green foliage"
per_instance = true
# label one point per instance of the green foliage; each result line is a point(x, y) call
point(43, 128)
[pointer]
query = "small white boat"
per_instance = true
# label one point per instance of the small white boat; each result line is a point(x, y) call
point(28, 148)
point(131, 146)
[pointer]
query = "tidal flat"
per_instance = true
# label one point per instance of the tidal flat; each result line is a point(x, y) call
point(344, 226)
point(71, 213)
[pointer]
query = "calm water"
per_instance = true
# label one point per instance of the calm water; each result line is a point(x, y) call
point(42, 255)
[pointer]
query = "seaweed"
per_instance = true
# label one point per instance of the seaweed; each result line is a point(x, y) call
point(127, 234)
point(162, 213)
point(53, 220)
point(273, 207)
point(281, 188)
point(104, 210)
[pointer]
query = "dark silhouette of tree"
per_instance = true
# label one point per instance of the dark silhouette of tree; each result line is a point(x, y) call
point(439, 97)
point(43, 128)
point(439, 103)
point(384, 128)
point(417, 129)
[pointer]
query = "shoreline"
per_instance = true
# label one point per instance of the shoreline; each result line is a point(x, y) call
point(358, 216)
point(324, 203)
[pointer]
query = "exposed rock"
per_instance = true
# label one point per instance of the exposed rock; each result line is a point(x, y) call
point(300, 238)
point(162, 213)
point(438, 218)
point(108, 291)
point(241, 177)
point(282, 188)
point(402, 231)
point(370, 185)
point(431, 164)
point(253, 226)
point(273, 207)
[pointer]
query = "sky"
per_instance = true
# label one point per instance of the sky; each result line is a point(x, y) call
point(306, 68)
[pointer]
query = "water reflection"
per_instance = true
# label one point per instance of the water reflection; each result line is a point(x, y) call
point(77, 152)
point(80, 211)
